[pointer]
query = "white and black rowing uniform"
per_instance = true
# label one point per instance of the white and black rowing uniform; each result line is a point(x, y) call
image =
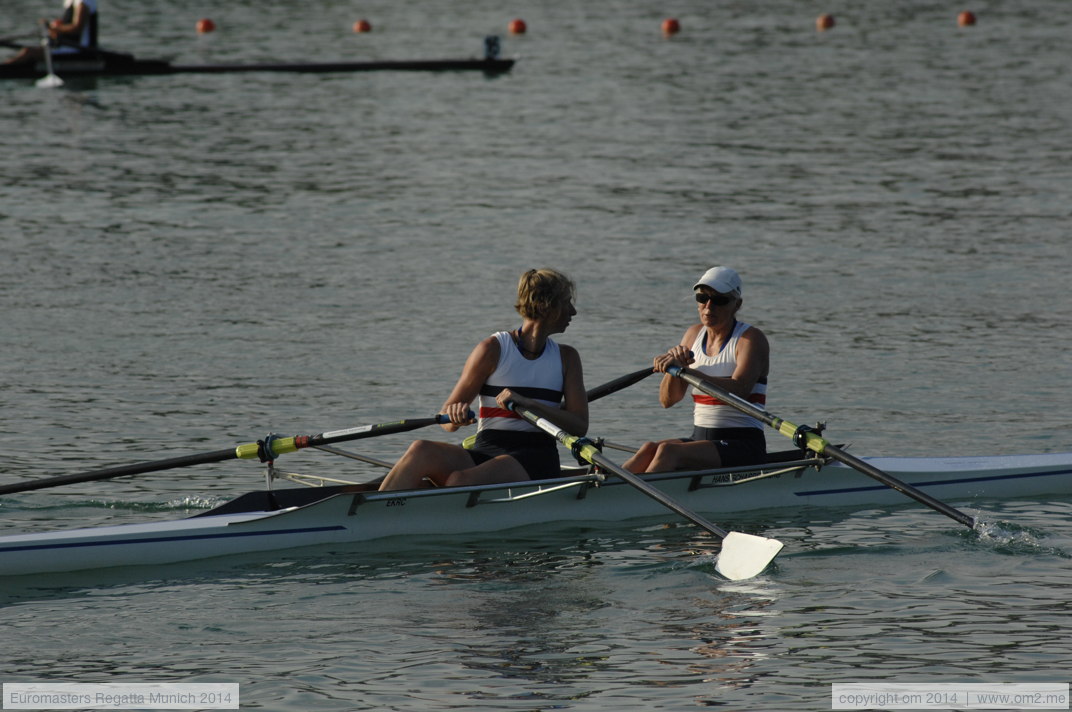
point(738, 436)
point(504, 432)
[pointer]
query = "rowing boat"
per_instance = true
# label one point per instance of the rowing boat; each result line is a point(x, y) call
point(278, 519)
point(104, 63)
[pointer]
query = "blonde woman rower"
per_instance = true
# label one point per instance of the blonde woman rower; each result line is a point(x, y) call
point(524, 366)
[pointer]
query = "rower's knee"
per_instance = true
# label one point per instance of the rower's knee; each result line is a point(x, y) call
point(641, 458)
point(423, 452)
point(411, 468)
point(665, 457)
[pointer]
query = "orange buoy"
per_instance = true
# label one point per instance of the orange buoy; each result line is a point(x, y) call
point(517, 27)
point(966, 18)
point(824, 22)
point(362, 26)
point(205, 25)
point(671, 26)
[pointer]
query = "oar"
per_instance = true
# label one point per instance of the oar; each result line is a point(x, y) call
point(595, 393)
point(12, 40)
point(743, 555)
point(619, 383)
point(804, 437)
point(267, 449)
point(50, 80)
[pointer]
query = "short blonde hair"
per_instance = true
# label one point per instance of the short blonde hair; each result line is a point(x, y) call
point(542, 291)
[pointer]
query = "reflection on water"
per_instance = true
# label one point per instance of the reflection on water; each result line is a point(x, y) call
point(557, 618)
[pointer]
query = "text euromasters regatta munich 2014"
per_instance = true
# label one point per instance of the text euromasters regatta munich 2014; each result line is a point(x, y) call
point(118, 696)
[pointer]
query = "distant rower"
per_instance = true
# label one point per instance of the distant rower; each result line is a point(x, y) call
point(72, 33)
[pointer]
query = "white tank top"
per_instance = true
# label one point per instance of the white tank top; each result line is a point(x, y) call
point(708, 411)
point(540, 379)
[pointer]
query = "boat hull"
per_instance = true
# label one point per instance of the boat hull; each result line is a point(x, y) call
point(117, 64)
point(316, 516)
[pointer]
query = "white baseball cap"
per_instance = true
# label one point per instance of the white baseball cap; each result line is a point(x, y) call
point(721, 279)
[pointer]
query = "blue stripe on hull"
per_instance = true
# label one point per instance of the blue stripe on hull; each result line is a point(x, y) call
point(934, 483)
point(156, 540)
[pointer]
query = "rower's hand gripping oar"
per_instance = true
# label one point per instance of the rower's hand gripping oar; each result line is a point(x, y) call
point(804, 437)
point(743, 555)
point(264, 450)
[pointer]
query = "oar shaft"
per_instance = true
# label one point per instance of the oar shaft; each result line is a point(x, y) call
point(902, 487)
point(121, 471)
point(618, 384)
point(803, 437)
point(585, 449)
point(267, 449)
point(21, 36)
point(742, 555)
point(273, 447)
point(656, 494)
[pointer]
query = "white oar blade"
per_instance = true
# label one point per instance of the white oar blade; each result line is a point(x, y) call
point(744, 555)
point(50, 81)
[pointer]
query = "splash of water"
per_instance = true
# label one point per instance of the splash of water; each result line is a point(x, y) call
point(1013, 538)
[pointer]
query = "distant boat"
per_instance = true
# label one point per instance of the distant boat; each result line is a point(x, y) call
point(103, 63)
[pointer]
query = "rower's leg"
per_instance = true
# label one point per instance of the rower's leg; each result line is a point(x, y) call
point(426, 458)
point(26, 55)
point(498, 469)
point(639, 462)
point(676, 455)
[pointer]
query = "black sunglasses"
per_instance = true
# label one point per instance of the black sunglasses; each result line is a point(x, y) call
point(719, 300)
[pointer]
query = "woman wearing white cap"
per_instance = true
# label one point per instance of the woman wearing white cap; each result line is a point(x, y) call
point(730, 354)
point(524, 366)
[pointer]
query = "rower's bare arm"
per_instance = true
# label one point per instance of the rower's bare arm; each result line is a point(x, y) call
point(672, 390)
point(574, 411)
point(478, 367)
point(75, 26)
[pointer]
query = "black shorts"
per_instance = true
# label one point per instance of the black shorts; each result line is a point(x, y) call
point(537, 452)
point(736, 446)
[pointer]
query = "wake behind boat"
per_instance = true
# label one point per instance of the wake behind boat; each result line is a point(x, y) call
point(319, 515)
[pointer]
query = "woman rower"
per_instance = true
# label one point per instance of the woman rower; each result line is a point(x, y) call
point(75, 32)
point(730, 354)
point(524, 366)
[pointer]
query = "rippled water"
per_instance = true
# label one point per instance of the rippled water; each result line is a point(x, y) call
point(190, 262)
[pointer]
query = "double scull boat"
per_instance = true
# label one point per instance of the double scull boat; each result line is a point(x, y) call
point(277, 519)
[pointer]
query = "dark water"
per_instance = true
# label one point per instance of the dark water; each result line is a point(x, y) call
point(193, 261)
